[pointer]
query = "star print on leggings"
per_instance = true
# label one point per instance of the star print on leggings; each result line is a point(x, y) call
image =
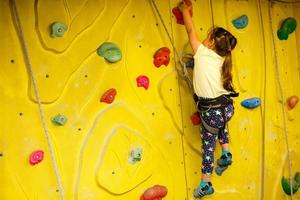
point(214, 118)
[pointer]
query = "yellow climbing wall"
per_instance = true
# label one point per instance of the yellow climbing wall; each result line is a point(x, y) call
point(92, 149)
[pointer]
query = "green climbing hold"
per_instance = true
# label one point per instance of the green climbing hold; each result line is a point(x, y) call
point(288, 26)
point(297, 177)
point(135, 155)
point(286, 185)
point(59, 120)
point(110, 52)
point(58, 29)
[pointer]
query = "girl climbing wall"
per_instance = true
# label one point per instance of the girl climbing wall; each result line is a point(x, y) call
point(213, 88)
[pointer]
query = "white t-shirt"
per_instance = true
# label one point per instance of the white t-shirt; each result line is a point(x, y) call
point(207, 78)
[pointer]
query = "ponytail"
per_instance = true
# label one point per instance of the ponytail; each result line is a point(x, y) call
point(225, 42)
point(226, 73)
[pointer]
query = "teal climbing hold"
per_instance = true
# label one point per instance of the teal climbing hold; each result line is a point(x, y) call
point(110, 51)
point(288, 26)
point(286, 185)
point(135, 155)
point(58, 29)
point(240, 22)
point(59, 120)
point(297, 177)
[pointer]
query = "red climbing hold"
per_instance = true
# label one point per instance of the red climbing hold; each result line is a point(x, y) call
point(178, 14)
point(195, 118)
point(109, 96)
point(157, 192)
point(162, 57)
point(36, 157)
point(292, 102)
point(142, 81)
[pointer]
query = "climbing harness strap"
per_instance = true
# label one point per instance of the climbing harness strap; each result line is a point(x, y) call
point(205, 105)
point(29, 68)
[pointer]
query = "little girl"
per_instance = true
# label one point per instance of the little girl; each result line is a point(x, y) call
point(212, 81)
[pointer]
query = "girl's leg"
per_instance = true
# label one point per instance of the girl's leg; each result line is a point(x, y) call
point(208, 148)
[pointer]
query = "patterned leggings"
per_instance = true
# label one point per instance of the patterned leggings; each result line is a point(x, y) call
point(215, 118)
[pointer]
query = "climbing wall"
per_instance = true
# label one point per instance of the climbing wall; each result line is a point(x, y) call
point(142, 134)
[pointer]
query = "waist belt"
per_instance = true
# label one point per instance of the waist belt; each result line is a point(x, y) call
point(218, 102)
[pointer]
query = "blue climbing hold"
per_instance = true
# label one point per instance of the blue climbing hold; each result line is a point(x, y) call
point(240, 22)
point(251, 102)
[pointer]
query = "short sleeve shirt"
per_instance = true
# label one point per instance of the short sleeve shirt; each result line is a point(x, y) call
point(207, 75)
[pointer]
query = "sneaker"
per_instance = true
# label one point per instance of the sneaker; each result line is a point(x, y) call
point(203, 191)
point(225, 160)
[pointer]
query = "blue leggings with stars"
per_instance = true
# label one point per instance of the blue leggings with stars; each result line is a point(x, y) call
point(215, 118)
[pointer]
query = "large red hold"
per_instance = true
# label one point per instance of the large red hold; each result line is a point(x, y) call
point(109, 96)
point(157, 192)
point(178, 14)
point(162, 57)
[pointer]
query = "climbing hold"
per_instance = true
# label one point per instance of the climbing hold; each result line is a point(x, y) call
point(240, 22)
point(157, 192)
point(178, 14)
point(195, 118)
point(251, 103)
point(297, 177)
point(162, 57)
point(287, 27)
point(59, 120)
point(135, 155)
point(286, 185)
point(58, 29)
point(110, 51)
point(36, 157)
point(142, 81)
point(109, 96)
point(292, 102)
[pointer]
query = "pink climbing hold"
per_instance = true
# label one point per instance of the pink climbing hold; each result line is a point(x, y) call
point(292, 102)
point(162, 57)
point(157, 192)
point(109, 96)
point(178, 14)
point(195, 118)
point(142, 81)
point(36, 157)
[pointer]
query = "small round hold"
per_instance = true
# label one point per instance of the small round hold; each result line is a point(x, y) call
point(58, 29)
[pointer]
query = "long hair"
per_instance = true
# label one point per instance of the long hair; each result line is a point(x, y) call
point(224, 43)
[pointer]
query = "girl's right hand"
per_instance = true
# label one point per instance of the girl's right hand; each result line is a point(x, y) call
point(186, 5)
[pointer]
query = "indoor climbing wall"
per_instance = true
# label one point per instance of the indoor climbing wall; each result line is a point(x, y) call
point(117, 109)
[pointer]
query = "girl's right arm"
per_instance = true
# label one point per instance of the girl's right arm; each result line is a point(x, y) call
point(189, 26)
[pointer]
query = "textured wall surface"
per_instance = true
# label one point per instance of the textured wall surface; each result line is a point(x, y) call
point(92, 149)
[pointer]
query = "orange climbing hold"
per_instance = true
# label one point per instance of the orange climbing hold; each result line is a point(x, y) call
point(292, 102)
point(157, 192)
point(162, 57)
point(109, 96)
